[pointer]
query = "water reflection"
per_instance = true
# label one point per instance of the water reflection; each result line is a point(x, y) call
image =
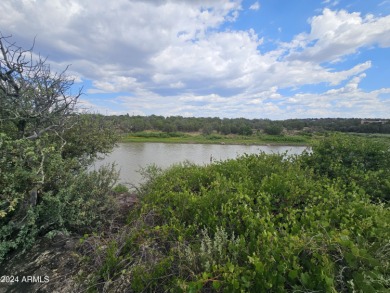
point(131, 157)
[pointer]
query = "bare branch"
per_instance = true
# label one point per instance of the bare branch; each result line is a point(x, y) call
point(33, 97)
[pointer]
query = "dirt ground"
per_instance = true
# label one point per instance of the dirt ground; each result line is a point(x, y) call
point(51, 266)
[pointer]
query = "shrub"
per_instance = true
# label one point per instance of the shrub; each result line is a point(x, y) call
point(259, 223)
point(120, 188)
point(45, 149)
point(354, 160)
point(42, 193)
point(273, 129)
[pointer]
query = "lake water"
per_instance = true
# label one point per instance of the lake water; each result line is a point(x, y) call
point(131, 157)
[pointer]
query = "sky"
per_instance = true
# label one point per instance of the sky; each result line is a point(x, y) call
point(269, 59)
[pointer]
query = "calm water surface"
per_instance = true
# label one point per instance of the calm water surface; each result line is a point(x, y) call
point(131, 157)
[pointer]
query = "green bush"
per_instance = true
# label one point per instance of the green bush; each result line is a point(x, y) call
point(259, 223)
point(353, 160)
point(214, 136)
point(274, 129)
point(43, 193)
point(120, 188)
point(82, 206)
point(158, 134)
point(46, 146)
point(283, 139)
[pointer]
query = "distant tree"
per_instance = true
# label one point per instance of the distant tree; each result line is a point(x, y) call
point(294, 124)
point(207, 129)
point(225, 128)
point(169, 127)
point(245, 129)
point(157, 122)
point(273, 129)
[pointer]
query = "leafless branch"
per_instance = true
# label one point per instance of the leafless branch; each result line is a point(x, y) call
point(33, 97)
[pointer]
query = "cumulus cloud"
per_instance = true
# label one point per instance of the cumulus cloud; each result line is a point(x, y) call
point(176, 57)
point(122, 32)
point(347, 101)
point(336, 34)
point(344, 101)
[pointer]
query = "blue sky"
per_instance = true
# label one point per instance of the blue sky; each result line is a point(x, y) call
point(255, 59)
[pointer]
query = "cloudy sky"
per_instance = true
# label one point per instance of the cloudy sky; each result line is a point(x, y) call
point(227, 58)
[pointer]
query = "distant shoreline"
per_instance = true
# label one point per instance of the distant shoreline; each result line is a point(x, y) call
point(184, 138)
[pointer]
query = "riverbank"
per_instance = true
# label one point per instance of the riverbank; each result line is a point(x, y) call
point(197, 138)
point(253, 224)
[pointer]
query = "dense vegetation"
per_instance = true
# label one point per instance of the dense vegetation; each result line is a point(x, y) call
point(45, 149)
point(242, 126)
point(260, 223)
point(215, 138)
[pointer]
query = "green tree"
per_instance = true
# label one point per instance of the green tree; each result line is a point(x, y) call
point(207, 129)
point(273, 129)
point(45, 149)
point(225, 129)
point(245, 129)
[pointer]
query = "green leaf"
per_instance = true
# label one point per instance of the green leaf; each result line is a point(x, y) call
point(216, 285)
point(305, 279)
point(293, 274)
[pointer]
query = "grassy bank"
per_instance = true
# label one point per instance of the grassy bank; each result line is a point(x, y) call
point(179, 137)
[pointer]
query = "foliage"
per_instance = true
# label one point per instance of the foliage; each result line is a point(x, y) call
point(89, 136)
point(353, 160)
point(285, 139)
point(33, 99)
point(207, 129)
point(45, 150)
point(273, 129)
point(158, 134)
point(242, 126)
point(120, 188)
point(86, 202)
point(259, 223)
point(177, 137)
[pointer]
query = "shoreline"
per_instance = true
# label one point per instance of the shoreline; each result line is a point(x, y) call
point(220, 141)
point(216, 143)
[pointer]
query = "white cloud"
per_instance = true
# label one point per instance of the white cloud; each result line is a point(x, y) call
point(115, 84)
point(255, 6)
point(176, 57)
point(347, 101)
point(218, 57)
point(336, 34)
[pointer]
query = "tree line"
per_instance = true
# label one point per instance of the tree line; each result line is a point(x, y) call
point(242, 126)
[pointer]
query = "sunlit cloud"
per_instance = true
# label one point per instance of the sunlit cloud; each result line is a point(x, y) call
point(201, 58)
